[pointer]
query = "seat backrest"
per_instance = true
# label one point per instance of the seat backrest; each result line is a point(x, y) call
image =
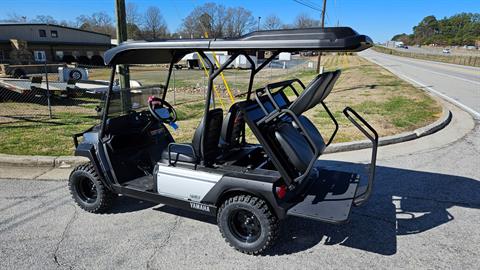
point(306, 100)
point(331, 84)
point(232, 128)
point(312, 132)
point(294, 145)
point(206, 137)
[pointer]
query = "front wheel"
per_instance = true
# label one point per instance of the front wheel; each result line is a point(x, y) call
point(247, 224)
point(88, 190)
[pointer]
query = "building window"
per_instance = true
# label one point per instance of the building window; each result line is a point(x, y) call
point(39, 56)
point(59, 55)
point(54, 33)
point(42, 33)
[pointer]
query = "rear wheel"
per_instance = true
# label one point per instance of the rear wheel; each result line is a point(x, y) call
point(247, 224)
point(88, 190)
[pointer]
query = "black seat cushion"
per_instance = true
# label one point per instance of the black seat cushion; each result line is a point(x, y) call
point(310, 96)
point(312, 132)
point(207, 135)
point(204, 145)
point(295, 146)
point(331, 83)
point(232, 128)
point(179, 152)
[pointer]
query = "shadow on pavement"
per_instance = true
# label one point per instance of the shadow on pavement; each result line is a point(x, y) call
point(404, 202)
point(125, 204)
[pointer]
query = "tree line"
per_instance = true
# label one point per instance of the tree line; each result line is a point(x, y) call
point(210, 19)
point(459, 29)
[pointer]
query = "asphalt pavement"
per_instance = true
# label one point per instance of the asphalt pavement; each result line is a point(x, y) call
point(439, 51)
point(458, 84)
point(423, 214)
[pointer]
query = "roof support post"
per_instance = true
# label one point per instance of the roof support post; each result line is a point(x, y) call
point(211, 70)
point(254, 70)
point(107, 101)
point(167, 82)
point(212, 74)
point(225, 65)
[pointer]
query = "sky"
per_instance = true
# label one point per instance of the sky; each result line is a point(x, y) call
point(380, 19)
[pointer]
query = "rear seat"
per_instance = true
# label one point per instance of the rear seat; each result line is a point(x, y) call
point(323, 81)
point(289, 136)
point(312, 131)
point(295, 146)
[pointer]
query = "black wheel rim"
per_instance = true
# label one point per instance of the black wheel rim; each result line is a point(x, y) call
point(244, 225)
point(87, 190)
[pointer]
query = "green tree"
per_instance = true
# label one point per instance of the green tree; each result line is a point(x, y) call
point(459, 29)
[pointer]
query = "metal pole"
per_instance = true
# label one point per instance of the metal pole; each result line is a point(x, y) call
point(170, 68)
point(123, 71)
point(174, 90)
point(322, 25)
point(258, 29)
point(48, 90)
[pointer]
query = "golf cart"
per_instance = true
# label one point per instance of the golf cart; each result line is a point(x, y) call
point(248, 187)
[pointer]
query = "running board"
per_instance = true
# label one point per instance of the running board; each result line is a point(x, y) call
point(330, 197)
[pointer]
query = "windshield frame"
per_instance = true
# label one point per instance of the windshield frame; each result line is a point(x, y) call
point(107, 101)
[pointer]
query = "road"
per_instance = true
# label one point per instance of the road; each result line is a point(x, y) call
point(460, 83)
point(439, 51)
point(424, 213)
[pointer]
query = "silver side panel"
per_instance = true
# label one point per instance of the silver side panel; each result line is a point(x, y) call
point(185, 183)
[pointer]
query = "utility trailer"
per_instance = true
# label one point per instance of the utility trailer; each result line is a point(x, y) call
point(36, 87)
point(248, 187)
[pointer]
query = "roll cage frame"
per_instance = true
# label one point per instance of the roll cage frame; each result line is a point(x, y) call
point(212, 75)
point(214, 71)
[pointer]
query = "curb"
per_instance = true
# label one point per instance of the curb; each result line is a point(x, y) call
point(398, 138)
point(70, 161)
point(41, 161)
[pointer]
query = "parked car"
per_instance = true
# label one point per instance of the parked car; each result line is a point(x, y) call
point(446, 50)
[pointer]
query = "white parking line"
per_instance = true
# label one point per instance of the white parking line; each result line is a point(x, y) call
point(454, 101)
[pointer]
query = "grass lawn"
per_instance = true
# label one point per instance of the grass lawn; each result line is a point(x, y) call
point(388, 103)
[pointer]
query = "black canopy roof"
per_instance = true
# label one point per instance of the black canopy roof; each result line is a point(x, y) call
point(334, 39)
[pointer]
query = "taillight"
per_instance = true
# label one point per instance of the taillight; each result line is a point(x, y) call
point(281, 191)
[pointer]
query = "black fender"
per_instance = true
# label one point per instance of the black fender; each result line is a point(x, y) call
point(88, 150)
point(230, 186)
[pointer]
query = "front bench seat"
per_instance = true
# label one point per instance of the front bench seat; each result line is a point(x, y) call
point(204, 143)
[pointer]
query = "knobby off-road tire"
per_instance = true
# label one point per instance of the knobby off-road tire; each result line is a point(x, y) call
point(247, 224)
point(88, 190)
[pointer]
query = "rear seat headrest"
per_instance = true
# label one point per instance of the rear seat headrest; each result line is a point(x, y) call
point(333, 80)
point(312, 94)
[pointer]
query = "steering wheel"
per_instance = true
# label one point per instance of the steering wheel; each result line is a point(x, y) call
point(162, 110)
